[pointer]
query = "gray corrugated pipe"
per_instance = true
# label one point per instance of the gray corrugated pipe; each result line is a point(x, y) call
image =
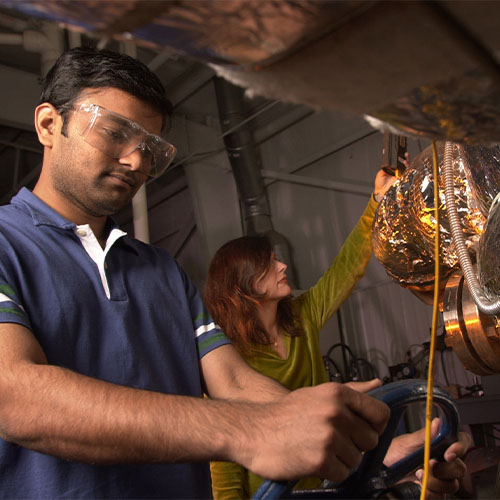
point(245, 165)
point(483, 303)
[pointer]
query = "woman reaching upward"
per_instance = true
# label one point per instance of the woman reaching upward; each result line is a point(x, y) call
point(249, 296)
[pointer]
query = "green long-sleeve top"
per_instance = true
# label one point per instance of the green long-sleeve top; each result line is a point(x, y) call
point(303, 366)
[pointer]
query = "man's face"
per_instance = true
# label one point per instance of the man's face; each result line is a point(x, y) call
point(87, 178)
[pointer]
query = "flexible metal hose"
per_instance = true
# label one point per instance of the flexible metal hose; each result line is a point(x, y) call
point(484, 304)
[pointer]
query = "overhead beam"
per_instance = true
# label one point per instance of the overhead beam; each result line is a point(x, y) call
point(344, 187)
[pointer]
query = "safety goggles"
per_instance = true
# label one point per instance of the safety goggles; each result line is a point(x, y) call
point(117, 137)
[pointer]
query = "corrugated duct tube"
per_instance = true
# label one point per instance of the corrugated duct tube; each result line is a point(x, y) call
point(244, 162)
point(484, 304)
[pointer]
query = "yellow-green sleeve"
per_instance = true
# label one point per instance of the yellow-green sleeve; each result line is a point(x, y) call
point(229, 481)
point(320, 302)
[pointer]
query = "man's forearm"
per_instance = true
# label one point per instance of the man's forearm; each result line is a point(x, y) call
point(320, 430)
point(62, 413)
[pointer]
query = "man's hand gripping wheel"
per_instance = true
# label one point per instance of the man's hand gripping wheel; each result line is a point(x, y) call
point(373, 479)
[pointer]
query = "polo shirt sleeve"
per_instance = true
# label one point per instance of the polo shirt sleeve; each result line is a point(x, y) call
point(11, 310)
point(208, 334)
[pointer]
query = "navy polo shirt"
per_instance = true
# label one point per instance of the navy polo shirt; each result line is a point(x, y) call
point(148, 333)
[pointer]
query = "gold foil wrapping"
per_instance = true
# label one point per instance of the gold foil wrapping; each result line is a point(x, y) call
point(405, 225)
point(463, 109)
point(489, 255)
point(483, 174)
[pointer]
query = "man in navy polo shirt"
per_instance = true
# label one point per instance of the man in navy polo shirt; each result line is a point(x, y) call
point(105, 346)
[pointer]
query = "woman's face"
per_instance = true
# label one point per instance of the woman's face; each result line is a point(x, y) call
point(274, 283)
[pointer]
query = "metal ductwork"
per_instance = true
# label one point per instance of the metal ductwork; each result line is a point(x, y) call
point(245, 164)
point(426, 68)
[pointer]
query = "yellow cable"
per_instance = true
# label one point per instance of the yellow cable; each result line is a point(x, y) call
point(432, 349)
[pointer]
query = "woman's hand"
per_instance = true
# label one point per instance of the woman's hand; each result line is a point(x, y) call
point(383, 181)
point(443, 476)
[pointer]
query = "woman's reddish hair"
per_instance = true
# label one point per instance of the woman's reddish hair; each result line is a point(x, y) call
point(231, 297)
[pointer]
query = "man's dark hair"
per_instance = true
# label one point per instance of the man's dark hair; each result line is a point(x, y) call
point(87, 68)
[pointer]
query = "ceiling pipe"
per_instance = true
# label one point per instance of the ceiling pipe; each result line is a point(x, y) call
point(244, 161)
point(48, 42)
point(11, 39)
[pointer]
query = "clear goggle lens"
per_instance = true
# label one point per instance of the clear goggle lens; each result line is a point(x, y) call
point(117, 137)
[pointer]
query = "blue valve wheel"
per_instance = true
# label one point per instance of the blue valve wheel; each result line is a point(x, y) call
point(372, 479)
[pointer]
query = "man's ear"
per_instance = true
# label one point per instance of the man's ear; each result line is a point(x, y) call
point(47, 122)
